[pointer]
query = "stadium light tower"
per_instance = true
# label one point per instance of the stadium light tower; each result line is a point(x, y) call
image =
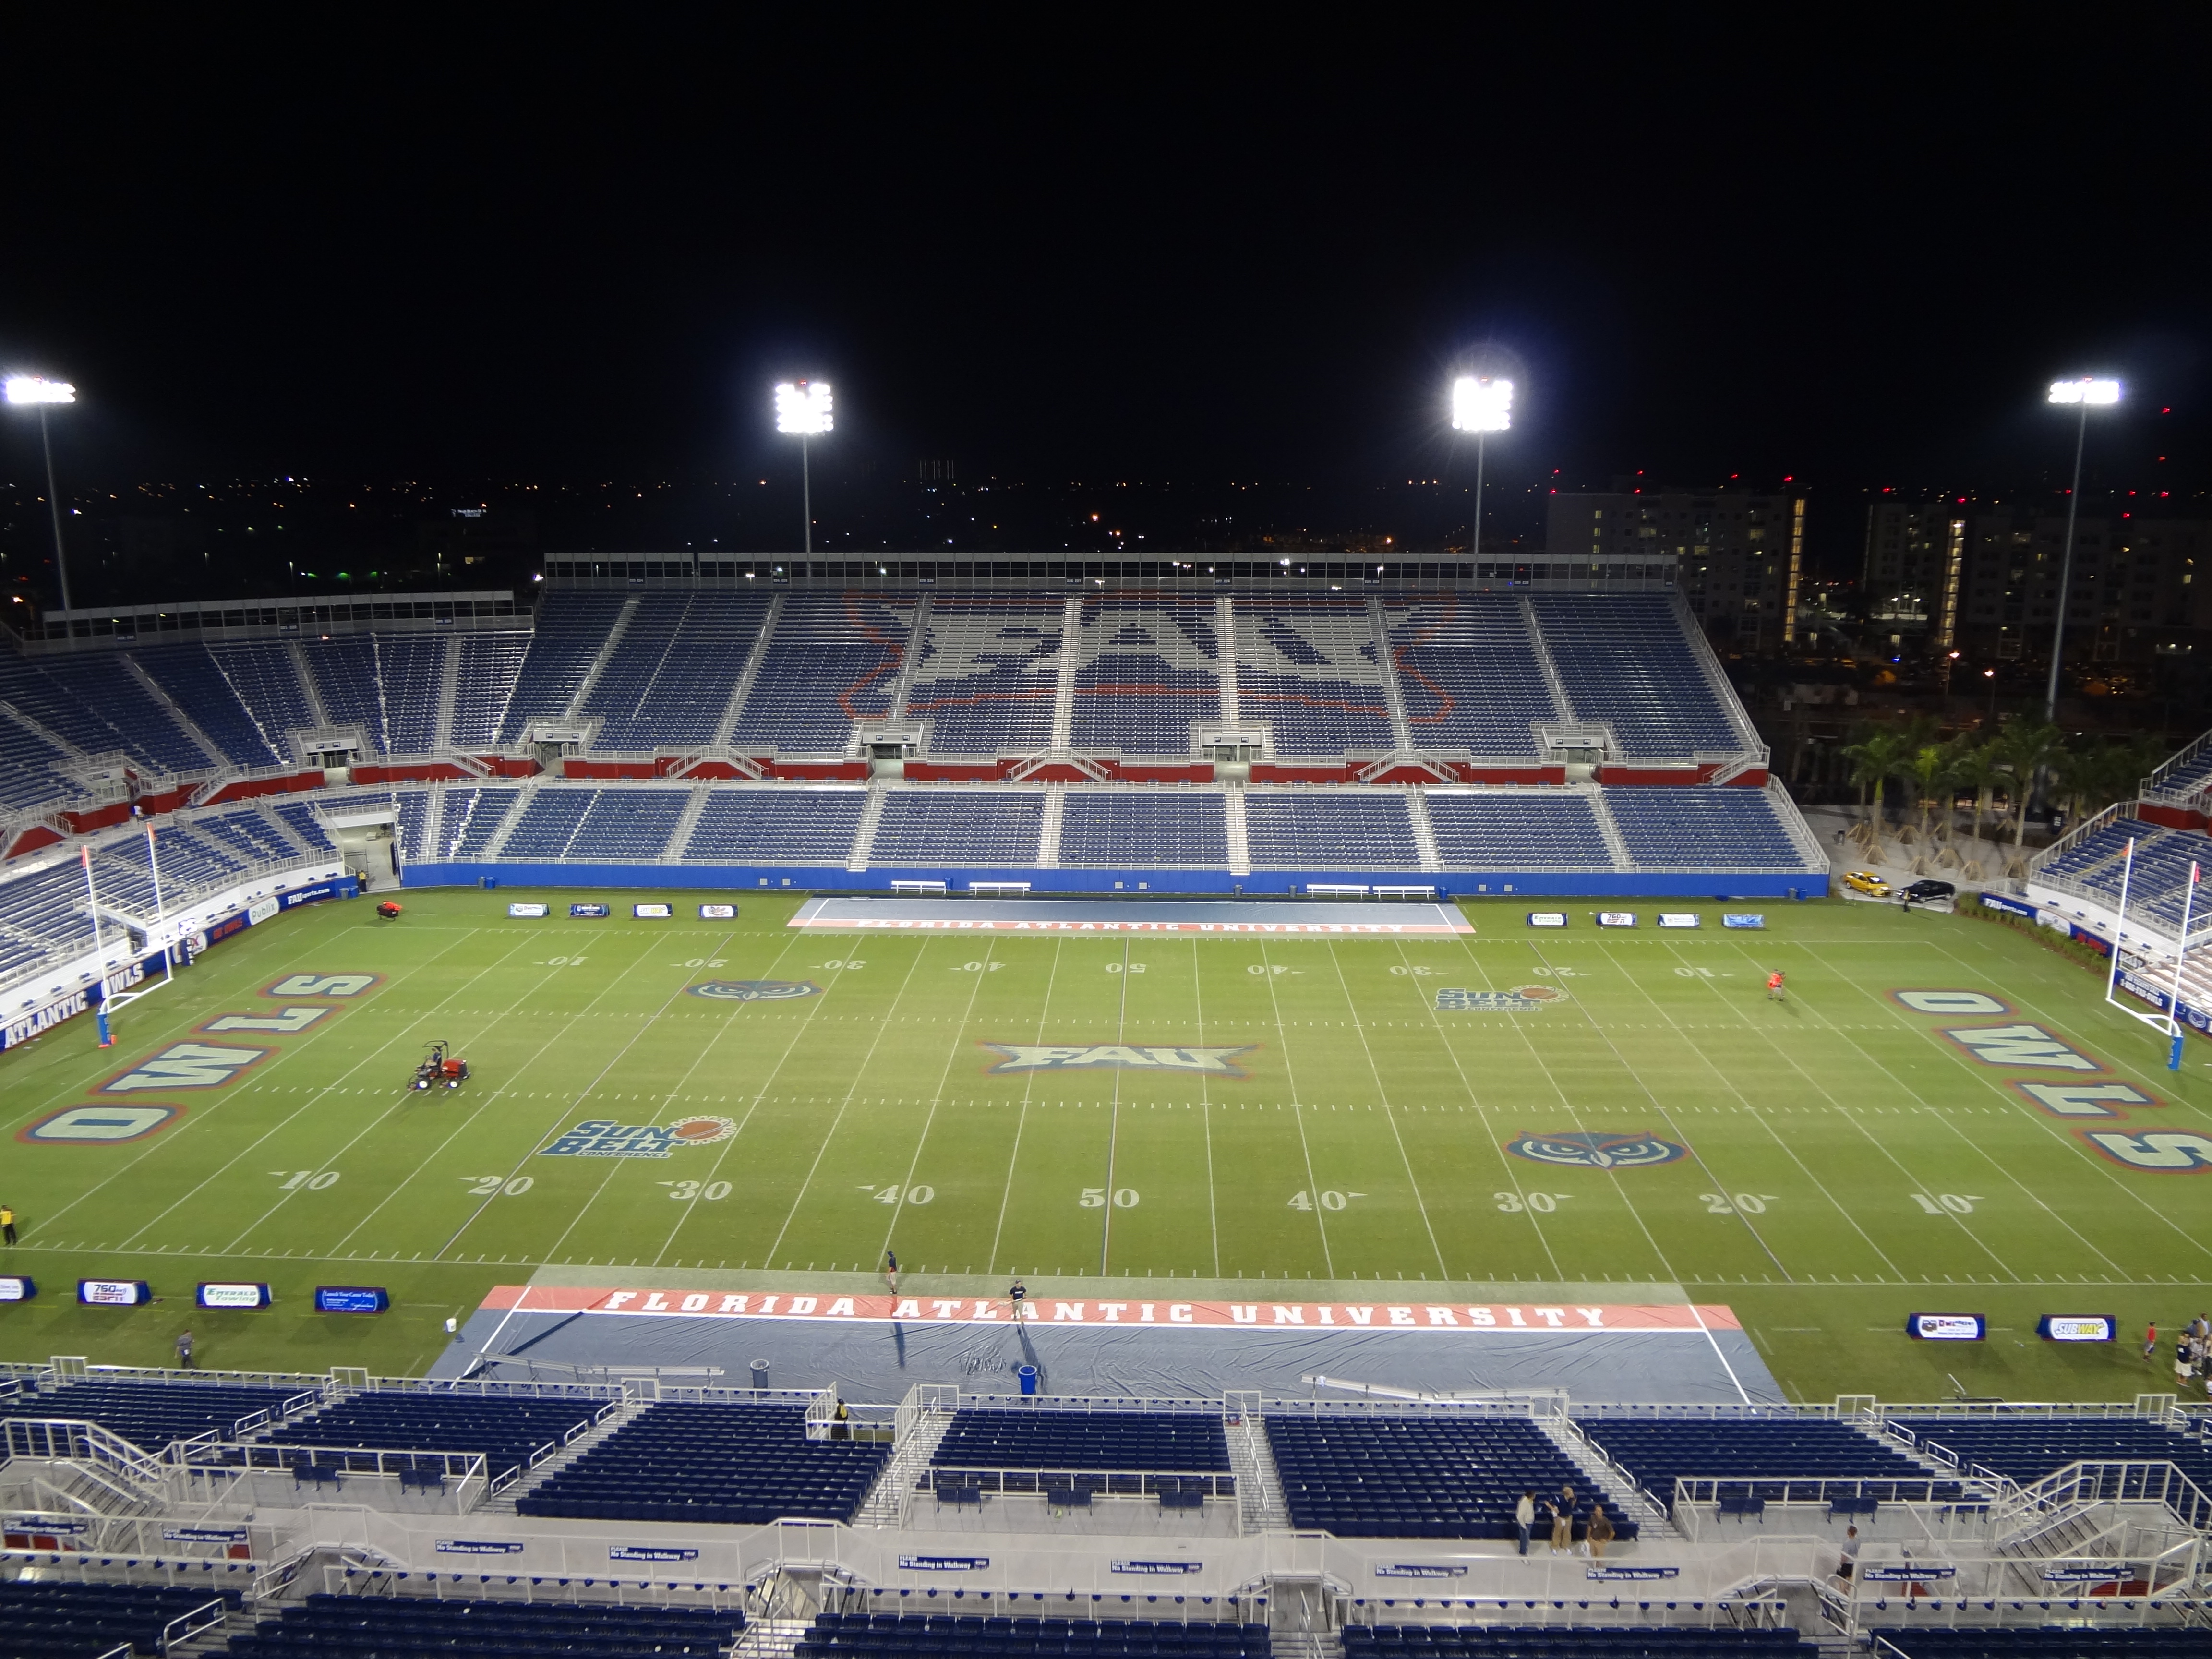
point(802, 407)
point(2084, 394)
point(29, 390)
point(1480, 405)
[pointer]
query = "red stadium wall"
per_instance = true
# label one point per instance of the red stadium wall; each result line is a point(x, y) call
point(2172, 818)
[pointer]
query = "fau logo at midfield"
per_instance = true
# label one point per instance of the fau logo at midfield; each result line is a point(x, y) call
point(604, 1138)
point(1598, 1150)
point(757, 990)
point(1113, 1057)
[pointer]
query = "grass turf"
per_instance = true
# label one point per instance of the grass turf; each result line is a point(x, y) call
point(1846, 1163)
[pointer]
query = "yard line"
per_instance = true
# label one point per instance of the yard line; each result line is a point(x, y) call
point(1389, 1116)
point(1297, 1114)
point(860, 1071)
point(1505, 1165)
point(1114, 1123)
point(1205, 1107)
point(967, 1017)
point(1021, 1122)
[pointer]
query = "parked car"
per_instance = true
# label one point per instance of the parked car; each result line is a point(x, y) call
point(1922, 891)
point(1865, 881)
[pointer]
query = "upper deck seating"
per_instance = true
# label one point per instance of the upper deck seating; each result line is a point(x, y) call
point(411, 1626)
point(509, 1432)
point(962, 825)
point(1146, 666)
point(989, 672)
point(150, 1415)
point(2026, 1446)
point(195, 682)
point(1312, 670)
point(345, 674)
point(29, 766)
point(82, 1620)
point(1723, 829)
point(386, 683)
point(145, 728)
point(1469, 674)
point(1317, 829)
point(263, 675)
point(2185, 777)
point(1561, 1642)
point(982, 1438)
point(483, 683)
point(1144, 828)
point(1422, 1477)
point(706, 1462)
point(773, 825)
point(573, 627)
point(1765, 1453)
point(893, 1636)
point(1628, 661)
point(1516, 831)
point(832, 658)
point(669, 683)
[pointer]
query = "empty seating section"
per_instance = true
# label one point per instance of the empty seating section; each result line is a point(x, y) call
point(1423, 1477)
point(244, 833)
point(959, 825)
point(27, 763)
point(386, 683)
point(307, 824)
point(48, 905)
point(1315, 829)
point(686, 1460)
point(1190, 1442)
point(123, 877)
point(681, 658)
point(2026, 1446)
point(1724, 828)
point(345, 672)
point(404, 1627)
point(2107, 841)
point(1311, 669)
point(266, 680)
point(2077, 1641)
point(196, 683)
point(629, 823)
point(2185, 777)
point(483, 681)
point(1629, 660)
point(1765, 1453)
point(1525, 831)
point(2158, 881)
point(572, 630)
point(62, 1621)
point(1553, 1642)
point(1167, 827)
point(509, 1432)
point(144, 729)
point(1469, 674)
point(894, 1636)
point(1145, 668)
point(547, 823)
point(472, 817)
point(989, 673)
point(415, 811)
point(149, 1415)
point(776, 826)
point(832, 660)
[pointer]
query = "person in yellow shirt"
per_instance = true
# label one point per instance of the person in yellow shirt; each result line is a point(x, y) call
point(7, 1224)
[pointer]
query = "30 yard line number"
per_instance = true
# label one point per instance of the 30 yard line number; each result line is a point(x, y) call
point(1542, 1203)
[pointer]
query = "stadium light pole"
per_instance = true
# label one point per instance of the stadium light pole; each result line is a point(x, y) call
point(30, 390)
point(1481, 405)
point(2084, 394)
point(802, 408)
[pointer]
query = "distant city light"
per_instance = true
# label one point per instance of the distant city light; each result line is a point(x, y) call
point(2085, 391)
point(30, 389)
point(802, 408)
point(1480, 404)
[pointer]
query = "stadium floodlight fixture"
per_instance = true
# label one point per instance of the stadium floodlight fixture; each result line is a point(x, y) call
point(2083, 393)
point(1482, 405)
point(802, 410)
point(33, 391)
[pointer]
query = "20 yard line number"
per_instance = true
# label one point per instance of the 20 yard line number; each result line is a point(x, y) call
point(1737, 1203)
point(498, 1186)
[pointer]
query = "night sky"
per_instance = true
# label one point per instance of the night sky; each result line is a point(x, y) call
point(1089, 244)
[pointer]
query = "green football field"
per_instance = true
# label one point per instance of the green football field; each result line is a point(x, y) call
point(1216, 1108)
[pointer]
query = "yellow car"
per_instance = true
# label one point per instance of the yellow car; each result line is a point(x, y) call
point(1867, 882)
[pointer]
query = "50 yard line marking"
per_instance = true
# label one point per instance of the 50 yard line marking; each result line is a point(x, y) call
point(1114, 1123)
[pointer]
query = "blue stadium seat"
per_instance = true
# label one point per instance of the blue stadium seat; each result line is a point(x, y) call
point(1027, 1439)
point(510, 1432)
point(1469, 674)
point(1694, 828)
point(1560, 1642)
point(404, 1627)
point(989, 672)
point(1765, 1454)
point(1633, 662)
point(1147, 665)
point(777, 825)
point(1517, 829)
point(959, 825)
point(1144, 828)
point(1311, 669)
point(150, 1415)
point(832, 658)
point(1330, 829)
point(892, 1636)
point(65, 1620)
point(572, 630)
point(2024, 1446)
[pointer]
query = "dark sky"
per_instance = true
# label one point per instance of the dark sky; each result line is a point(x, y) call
point(1851, 245)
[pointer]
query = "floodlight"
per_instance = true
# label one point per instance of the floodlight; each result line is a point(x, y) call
point(1481, 404)
point(30, 389)
point(803, 408)
point(2085, 391)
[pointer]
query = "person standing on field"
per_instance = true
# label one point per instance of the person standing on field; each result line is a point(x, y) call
point(7, 1224)
point(890, 1269)
point(184, 1349)
point(2150, 1341)
point(1774, 986)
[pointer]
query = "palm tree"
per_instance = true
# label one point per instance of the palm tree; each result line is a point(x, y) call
point(1930, 767)
point(1878, 756)
point(1981, 767)
point(2030, 746)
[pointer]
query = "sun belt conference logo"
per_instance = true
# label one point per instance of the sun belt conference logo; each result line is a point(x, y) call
point(1115, 1057)
point(1518, 1001)
point(757, 990)
point(1597, 1150)
point(604, 1138)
